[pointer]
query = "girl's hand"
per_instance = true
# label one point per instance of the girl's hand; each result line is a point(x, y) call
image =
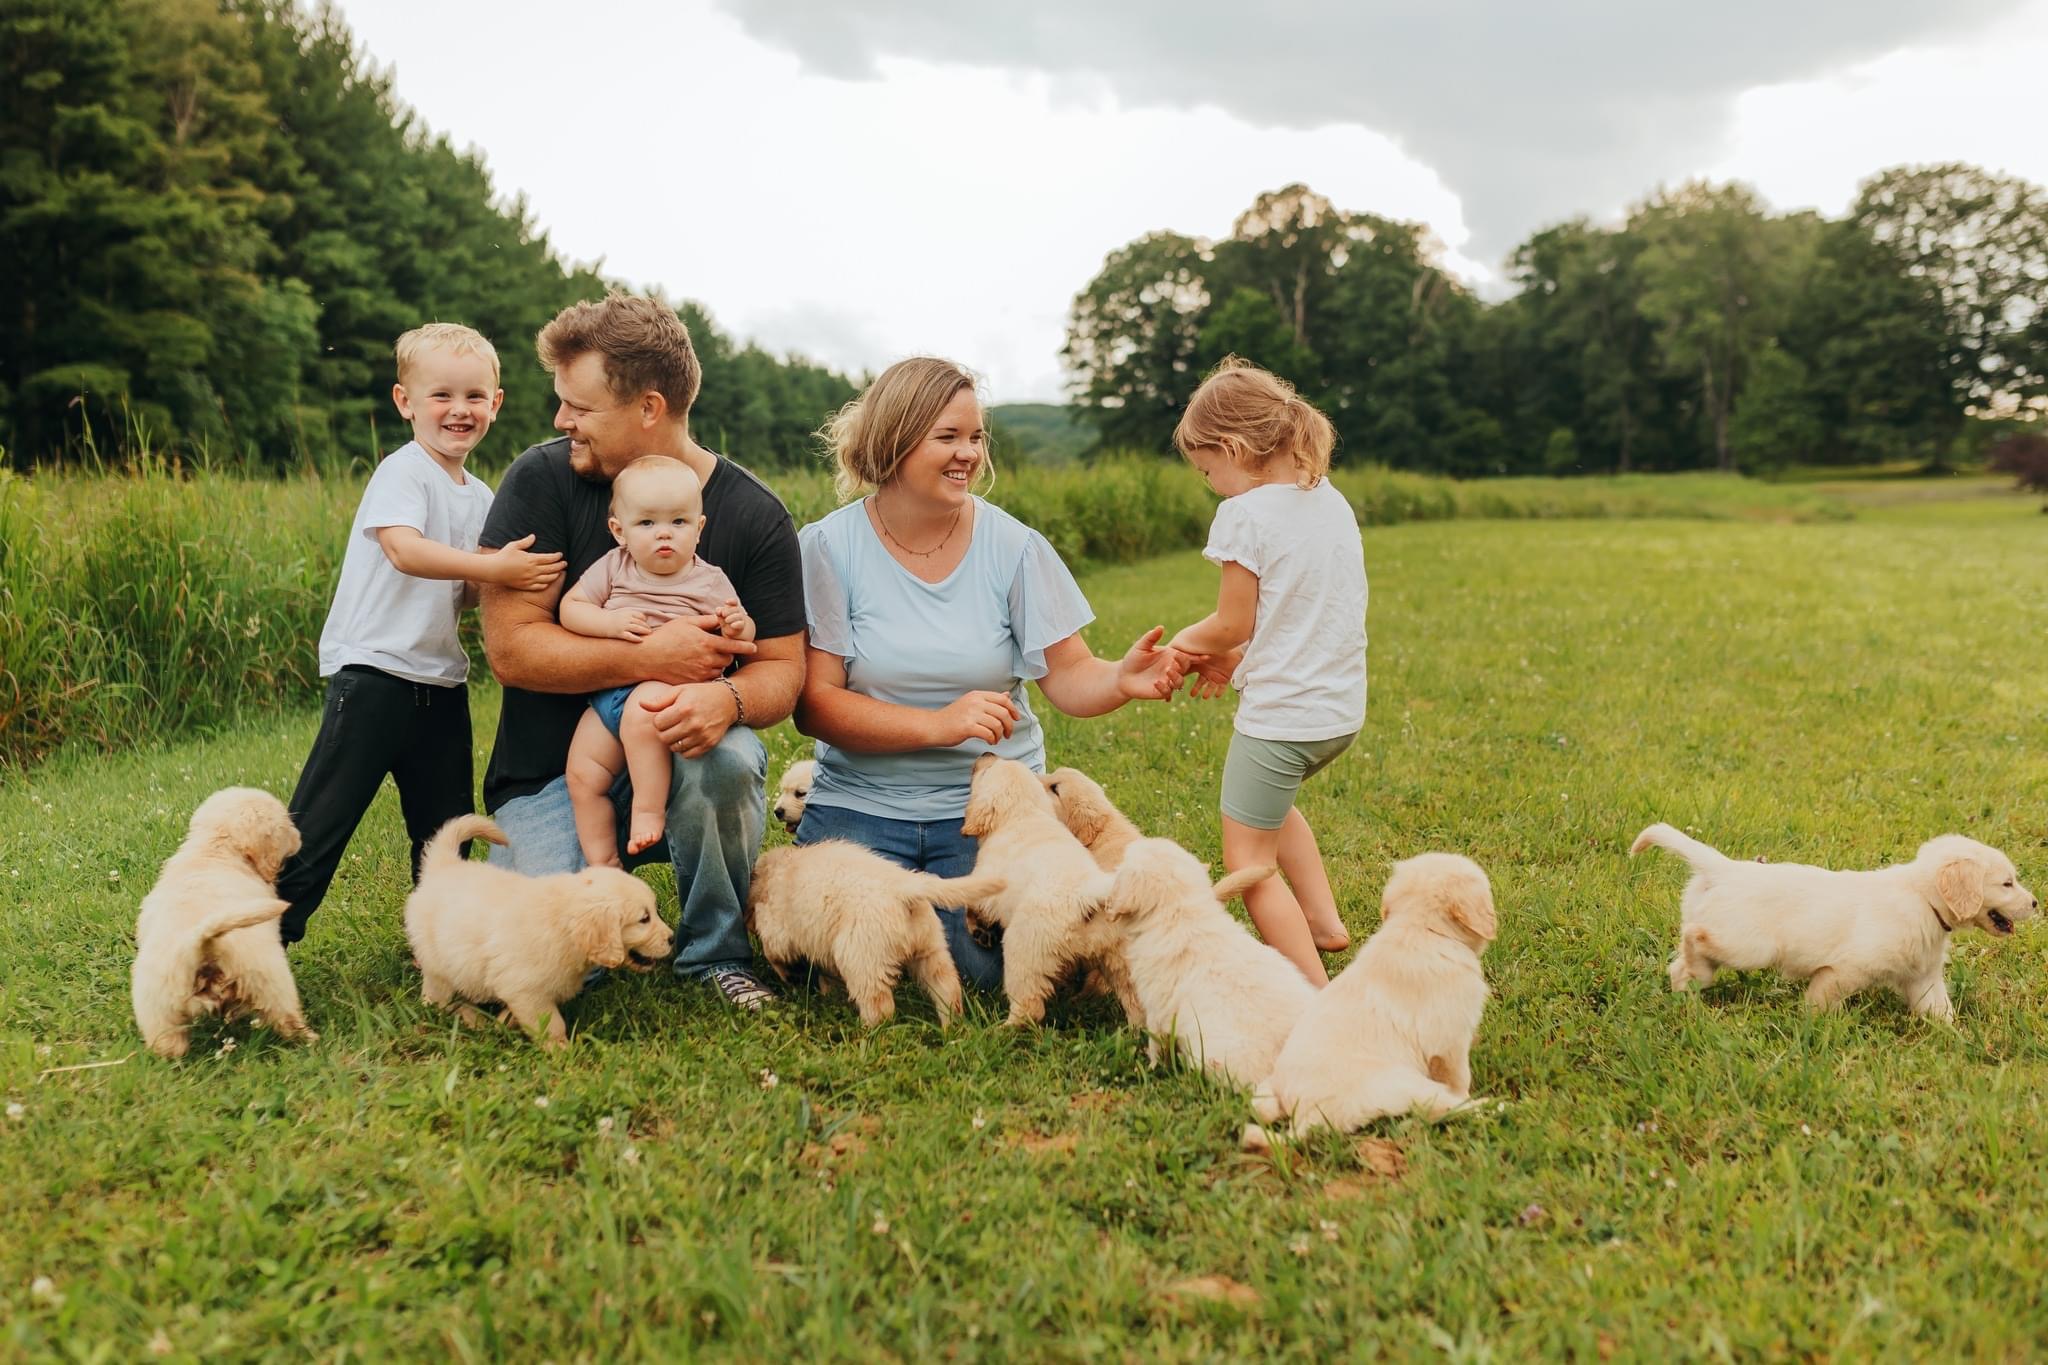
point(1147, 671)
point(629, 625)
point(514, 566)
point(1210, 674)
point(986, 716)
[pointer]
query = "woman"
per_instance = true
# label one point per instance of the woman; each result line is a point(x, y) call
point(928, 609)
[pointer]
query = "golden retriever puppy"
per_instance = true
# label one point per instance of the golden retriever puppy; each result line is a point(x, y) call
point(1227, 1000)
point(1393, 1033)
point(1841, 931)
point(487, 933)
point(1086, 810)
point(849, 911)
point(206, 941)
point(1053, 887)
point(793, 791)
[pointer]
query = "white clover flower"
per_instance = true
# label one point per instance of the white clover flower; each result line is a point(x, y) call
point(16, 1109)
point(43, 1289)
point(540, 1101)
point(604, 1126)
point(769, 1080)
point(1300, 1245)
point(980, 1121)
point(631, 1156)
point(160, 1344)
point(881, 1227)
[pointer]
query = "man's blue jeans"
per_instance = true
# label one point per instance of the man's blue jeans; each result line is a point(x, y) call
point(717, 810)
point(934, 846)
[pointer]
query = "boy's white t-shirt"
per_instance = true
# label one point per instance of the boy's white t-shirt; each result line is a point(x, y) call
point(1303, 674)
point(390, 620)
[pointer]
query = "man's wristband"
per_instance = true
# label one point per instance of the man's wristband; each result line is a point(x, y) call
point(739, 705)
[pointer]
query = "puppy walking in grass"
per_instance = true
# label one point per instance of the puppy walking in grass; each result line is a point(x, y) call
point(485, 933)
point(206, 941)
point(1393, 1033)
point(1841, 931)
point(851, 912)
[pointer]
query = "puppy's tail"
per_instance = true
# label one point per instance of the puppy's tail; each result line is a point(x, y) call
point(1684, 845)
point(1239, 882)
point(446, 845)
point(967, 892)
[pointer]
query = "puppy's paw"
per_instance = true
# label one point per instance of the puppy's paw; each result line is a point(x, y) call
point(1255, 1139)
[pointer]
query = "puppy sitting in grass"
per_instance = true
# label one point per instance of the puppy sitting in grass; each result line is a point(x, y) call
point(206, 941)
point(793, 791)
point(1841, 931)
point(485, 933)
point(851, 912)
point(1048, 908)
point(1393, 1033)
point(1227, 1000)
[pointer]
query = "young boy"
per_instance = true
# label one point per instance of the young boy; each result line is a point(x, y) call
point(397, 700)
point(653, 576)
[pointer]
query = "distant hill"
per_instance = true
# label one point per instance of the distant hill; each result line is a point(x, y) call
point(1043, 433)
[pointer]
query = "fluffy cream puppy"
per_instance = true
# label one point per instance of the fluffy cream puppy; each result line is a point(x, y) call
point(793, 791)
point(849, 911)
point(1226, 1000)
point(1086, 810)
point(1841, 931)
point(1048, 907)
point(206, 941)
point(1393, 1033)
point(487, 933)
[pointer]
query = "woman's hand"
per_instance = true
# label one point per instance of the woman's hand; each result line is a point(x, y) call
point(1147, 671)
point(986, 716)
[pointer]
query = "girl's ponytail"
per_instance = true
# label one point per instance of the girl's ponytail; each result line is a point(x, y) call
point(1311, 439)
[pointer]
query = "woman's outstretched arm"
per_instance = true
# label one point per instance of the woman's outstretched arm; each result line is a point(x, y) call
point(1080, 684)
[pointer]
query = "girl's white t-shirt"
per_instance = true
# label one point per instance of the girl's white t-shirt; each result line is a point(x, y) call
point(1303, 674)
point(389, 620)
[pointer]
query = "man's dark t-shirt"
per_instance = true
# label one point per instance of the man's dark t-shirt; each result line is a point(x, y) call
point(747, 533)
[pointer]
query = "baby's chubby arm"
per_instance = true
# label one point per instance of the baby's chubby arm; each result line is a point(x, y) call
point(586, 617)
point(512, 565)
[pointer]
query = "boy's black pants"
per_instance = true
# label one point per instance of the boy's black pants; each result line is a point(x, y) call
point(373, 724)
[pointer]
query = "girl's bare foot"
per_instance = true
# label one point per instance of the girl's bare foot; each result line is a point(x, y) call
point(647, 829)
point(1331, 937)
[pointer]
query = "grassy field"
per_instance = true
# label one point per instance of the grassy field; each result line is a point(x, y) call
point(1674, 1178)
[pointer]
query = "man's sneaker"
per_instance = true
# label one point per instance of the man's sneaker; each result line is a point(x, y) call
point(741, 988)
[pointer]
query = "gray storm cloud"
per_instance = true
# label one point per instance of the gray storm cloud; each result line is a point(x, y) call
point(1530, 112)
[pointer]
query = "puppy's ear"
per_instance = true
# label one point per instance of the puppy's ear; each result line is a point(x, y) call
point(1086, 822)
point(598, 928)
point(980, 817)
point(1960, 885)
point(1474, 911)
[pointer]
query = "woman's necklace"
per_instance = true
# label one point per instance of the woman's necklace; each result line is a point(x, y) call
point(944, 540)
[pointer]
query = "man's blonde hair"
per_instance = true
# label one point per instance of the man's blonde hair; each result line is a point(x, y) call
point(650, 467)
point(642, 342)
point(443, 336)
point(1254, 416)
point(870, 436)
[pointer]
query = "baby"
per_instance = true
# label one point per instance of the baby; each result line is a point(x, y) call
point(655, 575)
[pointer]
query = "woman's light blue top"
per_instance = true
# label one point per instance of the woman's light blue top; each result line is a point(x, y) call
point(984, 627)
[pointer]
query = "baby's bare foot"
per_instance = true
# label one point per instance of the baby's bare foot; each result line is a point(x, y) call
point(648, 828)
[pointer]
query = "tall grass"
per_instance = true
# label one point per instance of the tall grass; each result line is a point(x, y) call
point(152, 601)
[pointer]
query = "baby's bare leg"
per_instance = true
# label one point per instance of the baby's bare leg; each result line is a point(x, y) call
point(1275, 913)
point(595, 759)
point(651, 765)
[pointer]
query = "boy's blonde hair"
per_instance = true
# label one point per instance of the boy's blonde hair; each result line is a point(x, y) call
point(1254, 416)
point(870, 435)
point(648, 467)
point(443, 336)
point(642, 342)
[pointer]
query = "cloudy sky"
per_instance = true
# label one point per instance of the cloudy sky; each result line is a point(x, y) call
point(859, 180)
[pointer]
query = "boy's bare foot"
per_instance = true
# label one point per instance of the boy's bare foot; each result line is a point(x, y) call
point(648, 828)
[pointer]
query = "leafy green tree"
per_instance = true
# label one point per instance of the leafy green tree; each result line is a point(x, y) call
point(1775, 422)
point(1134, 338)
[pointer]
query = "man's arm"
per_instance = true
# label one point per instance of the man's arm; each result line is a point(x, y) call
point(697, 716)
point(528, 648)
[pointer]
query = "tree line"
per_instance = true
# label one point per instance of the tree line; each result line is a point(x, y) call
point(215, 219)
point(1703, 331)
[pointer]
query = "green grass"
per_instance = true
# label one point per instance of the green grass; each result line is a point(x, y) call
point(1708, 1177)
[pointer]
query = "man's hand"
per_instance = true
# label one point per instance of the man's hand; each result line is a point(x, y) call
point(693, 717)
point(733, 621)
point(512, 565)
point(689, 649)
point(1148, 671)
point(986, 716)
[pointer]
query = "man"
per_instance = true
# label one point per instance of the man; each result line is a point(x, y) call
point(626, 375)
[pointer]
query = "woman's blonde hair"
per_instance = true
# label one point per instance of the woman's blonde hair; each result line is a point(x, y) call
point(870, 436)
point(1254, 416)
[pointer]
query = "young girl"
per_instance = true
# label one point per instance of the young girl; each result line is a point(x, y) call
point(653, 576)
point(1289, 627)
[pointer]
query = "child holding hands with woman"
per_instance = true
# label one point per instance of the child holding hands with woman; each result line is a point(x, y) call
point(1289, 627)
